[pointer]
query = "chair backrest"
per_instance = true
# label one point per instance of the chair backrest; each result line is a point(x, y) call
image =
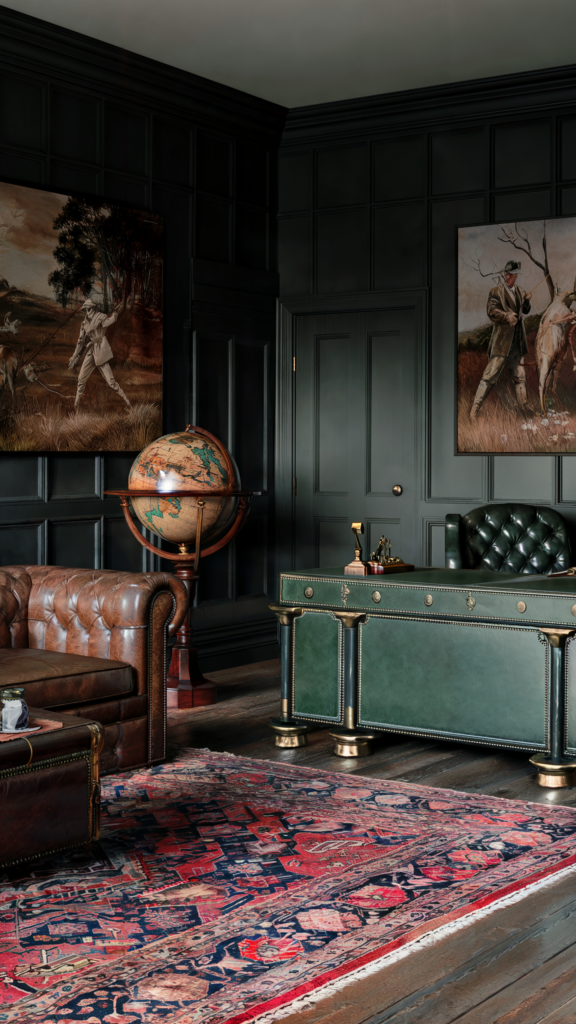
point(508, 537)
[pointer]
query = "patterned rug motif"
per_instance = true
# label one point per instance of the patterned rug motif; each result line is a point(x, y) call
point(224, 888)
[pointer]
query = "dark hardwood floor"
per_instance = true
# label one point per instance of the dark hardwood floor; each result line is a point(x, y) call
point(516, 966)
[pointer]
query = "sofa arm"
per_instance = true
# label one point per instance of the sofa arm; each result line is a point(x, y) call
point(453, 551)
point(120, 615)
point(15, 587)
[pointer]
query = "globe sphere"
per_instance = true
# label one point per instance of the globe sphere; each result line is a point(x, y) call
point(189, 460)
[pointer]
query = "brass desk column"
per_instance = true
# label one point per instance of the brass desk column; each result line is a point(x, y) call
point(351, 742)
point(554, 769)
point(288, 732)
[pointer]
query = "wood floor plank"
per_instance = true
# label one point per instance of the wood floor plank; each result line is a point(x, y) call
point(517, 966)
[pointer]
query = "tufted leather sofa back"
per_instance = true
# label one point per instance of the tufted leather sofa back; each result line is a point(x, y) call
point(509, 537)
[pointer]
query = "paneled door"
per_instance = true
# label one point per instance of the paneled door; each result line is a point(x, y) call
point(355, 434)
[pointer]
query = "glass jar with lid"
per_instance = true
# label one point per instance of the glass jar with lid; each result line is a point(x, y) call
point(13, 709)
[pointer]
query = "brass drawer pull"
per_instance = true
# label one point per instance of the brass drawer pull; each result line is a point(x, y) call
point(377, 597)
point(428, 600)
point(308, 592)
point(521, 606)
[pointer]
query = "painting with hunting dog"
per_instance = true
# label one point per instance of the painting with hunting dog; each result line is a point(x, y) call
point(80, 323)
point(516, 363)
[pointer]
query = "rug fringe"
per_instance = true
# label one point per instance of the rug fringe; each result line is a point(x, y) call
point(309, 1000)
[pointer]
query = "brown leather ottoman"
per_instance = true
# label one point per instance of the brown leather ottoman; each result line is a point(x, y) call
point(49, 789)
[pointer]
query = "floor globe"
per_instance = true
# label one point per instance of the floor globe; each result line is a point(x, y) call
point(190, 460)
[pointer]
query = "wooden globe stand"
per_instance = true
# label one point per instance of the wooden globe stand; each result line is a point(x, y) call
point(186, 686)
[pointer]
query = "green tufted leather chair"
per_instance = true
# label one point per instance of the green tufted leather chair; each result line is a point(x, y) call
point(508, 537)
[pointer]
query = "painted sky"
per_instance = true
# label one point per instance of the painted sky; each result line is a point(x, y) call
point(482, 243)
point(27, 238)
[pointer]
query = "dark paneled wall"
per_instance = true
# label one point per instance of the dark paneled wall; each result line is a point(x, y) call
point(370, 193)
point(78, 115)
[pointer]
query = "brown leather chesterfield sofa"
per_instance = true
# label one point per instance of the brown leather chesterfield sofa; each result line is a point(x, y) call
point(92, 643)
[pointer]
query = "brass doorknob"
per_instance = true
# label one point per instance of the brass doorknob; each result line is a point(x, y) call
point(397, 490)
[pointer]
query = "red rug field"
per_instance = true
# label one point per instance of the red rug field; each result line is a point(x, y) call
point(223, 890)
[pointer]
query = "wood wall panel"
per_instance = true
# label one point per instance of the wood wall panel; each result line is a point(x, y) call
point(75, 542)
point(524, 478)
point(400, 246)
point(458, 161)
point(343, 176)
point(399, 169)
point(21, 543)
point(334, 544)
point(343, 248)
point(516, 206)
point(75, 126)
point(451, 476)
point(22, 477)
point(295, 182)
point(295, 254)
point(502, 149)
point(331, 413)
point(522, 154)
point(82, 118)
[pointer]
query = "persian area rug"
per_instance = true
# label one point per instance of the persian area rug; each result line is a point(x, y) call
point(226, 890)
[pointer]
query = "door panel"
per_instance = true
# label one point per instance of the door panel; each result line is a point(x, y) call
point(355, 433)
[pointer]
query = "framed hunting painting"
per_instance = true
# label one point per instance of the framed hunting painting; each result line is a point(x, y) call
point(80, 323)
point(516, 355)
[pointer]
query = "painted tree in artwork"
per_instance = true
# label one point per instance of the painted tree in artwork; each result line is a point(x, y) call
point(115, 246)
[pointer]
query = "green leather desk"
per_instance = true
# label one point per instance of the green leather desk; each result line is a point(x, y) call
point(473, 656)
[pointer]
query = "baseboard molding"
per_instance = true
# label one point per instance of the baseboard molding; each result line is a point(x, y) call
point(228, 646)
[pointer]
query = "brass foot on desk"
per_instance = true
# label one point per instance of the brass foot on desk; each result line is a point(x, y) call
point(352, 744)
point(288, 734)
point(554, 776)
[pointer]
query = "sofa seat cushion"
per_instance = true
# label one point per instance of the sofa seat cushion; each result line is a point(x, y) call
point(52, 679)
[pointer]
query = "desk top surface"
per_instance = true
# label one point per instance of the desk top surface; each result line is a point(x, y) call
point(432, 593)
point(458, 578)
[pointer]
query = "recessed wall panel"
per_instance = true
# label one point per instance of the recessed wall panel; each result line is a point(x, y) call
point(523, 478)
point(343, 175)
point(71, 476)
point(19, 476)
point(399, 169)
point(212, 385)
point(125, 140)
point(522, 205)
point(74, 126)
point(121, 550)
point(74, 543)
point(450, 476)
point(459, 161)
point(250, 412)
point(212, 229)
point(390, 380)
point(400, 248)
point(170, 152)
point(294, 182)
point(522, 154)
point(20, 543)
point(125, 190)
point(69, 177)
point(331, 413)
point(251, 237)
point(251, 175)
point(21, 112)
point(343, 251)
point(213, 165)
point(26, 169)
point(251, 557)
point(334, 543)
point(294, 254)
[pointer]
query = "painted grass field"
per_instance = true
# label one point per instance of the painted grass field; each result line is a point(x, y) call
point(43, 421)
point(501, 426)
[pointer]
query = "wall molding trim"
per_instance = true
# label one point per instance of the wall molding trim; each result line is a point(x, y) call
point(528, 92)
point(30, 45)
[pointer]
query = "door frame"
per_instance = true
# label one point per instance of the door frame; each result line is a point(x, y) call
point(288, 309)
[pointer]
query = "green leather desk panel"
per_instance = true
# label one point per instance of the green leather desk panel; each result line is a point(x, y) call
point(469, 666)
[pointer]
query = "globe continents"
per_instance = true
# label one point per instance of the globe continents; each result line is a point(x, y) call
point(190, 460)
